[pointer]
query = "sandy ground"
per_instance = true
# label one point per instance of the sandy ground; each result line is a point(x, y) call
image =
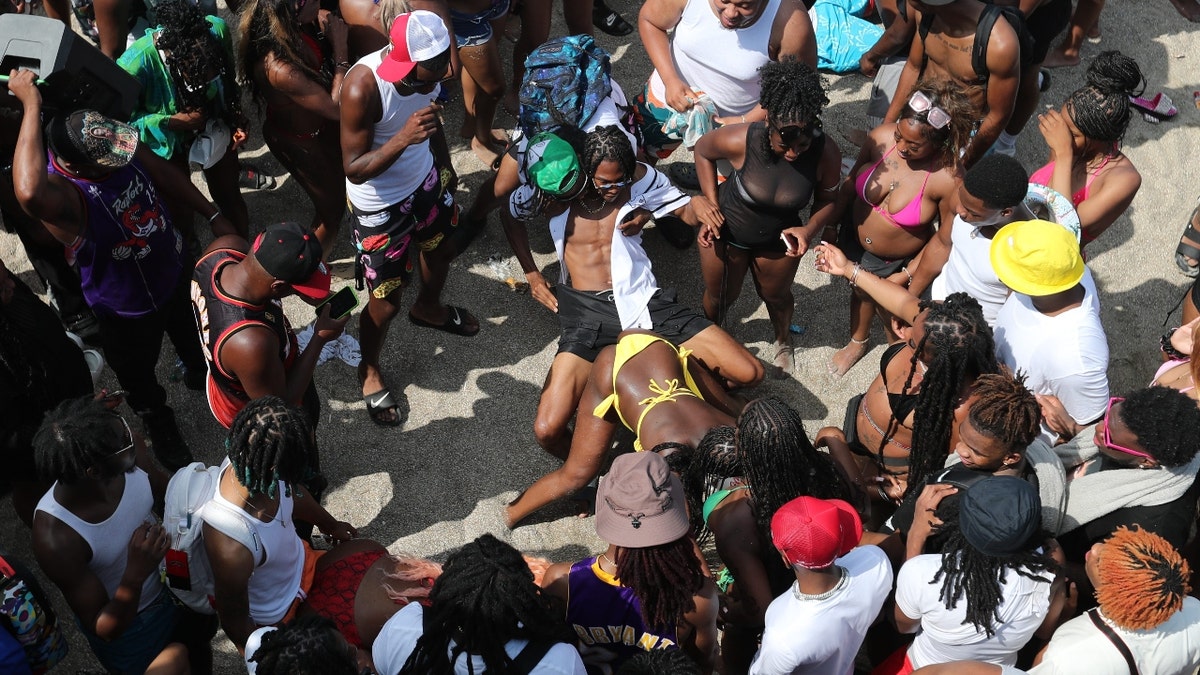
point(467, 444)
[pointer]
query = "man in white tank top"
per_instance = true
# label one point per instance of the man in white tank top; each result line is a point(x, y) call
point(400, 185)
point(717, 48)
point(96, 536)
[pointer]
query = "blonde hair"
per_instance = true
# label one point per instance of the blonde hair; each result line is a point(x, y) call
point(389, 10)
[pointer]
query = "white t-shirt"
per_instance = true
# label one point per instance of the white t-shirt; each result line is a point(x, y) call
point(400, 634)
point(1064, 355)
point(969, 270)
point(1172, 648)
point(946, 635)
point(803, 636)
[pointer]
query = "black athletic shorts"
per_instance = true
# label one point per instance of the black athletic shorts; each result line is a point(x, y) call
point(1044, 25)
point(589, 322)
point(848, 242)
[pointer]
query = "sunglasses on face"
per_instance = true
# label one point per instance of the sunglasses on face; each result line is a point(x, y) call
point(611, 186)
point(1108, 431)
point(934, 115)
point(128, 434)
point(439, 65)
point(792, 133)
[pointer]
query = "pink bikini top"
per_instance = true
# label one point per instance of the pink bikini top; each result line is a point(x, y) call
point(906, 218)
point(1043, 175)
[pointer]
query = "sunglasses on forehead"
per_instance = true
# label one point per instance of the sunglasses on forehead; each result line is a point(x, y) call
point(934, 115)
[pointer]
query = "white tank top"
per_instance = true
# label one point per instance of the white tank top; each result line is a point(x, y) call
point(109, 539)
point(969, 270)
point(406, 174)
point(275, 582)
point(720, 62)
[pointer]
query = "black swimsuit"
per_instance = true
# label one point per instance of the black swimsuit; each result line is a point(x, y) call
point(766, 195)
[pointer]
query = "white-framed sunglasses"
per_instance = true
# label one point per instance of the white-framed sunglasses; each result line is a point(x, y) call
point(934, 115)
point(128, 434)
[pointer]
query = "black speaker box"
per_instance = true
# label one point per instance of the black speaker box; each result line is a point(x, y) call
point(78, 75)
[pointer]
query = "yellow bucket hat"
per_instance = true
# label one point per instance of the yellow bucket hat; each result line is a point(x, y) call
point(1037, 257)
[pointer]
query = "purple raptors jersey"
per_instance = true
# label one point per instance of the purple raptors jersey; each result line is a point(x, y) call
point(607, 617)
point(128, 256)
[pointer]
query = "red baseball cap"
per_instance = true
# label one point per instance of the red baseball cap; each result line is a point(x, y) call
point(416, 36)
point(812, 532)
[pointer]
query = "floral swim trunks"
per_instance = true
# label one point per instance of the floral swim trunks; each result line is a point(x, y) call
point(384, 238)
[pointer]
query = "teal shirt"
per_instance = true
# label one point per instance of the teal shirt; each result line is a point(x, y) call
point(157, 101)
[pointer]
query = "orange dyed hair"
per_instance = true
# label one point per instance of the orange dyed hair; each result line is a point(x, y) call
point(1142, 579)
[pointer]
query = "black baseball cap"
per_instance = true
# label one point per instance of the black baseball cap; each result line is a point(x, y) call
point(292, 253)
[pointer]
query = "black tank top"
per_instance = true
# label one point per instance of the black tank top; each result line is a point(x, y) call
point(766, 195)
point(220, 316)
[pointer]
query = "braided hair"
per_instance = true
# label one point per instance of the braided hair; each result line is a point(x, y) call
point(1005, 410)
point(608, 143)
point(75, 436)
point(1100, 109)
point(660, 662)
point(963, 349)
point(780, 462)
point(966, 572)
point(268, 27)
point(676, 455)
point(484, 598)
point(192, 53)
point(792, 93)
point(1141, 579)
point(951, 97)
point(310, 645)
point(665, 579)
point(270, 441)
point(1166, 423)
point(715, 459)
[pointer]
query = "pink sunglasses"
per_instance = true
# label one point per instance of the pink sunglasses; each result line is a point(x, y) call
point(1108, 432)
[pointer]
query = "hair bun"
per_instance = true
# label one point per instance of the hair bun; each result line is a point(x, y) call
point(1114, 73)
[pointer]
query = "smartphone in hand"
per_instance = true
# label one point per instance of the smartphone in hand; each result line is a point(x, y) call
point(340, 304)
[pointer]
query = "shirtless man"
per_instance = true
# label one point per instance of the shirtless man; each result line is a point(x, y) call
point(717, 48)
point(945, 54)
point(596, 306)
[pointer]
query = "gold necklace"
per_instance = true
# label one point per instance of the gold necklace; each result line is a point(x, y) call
point(610, 562)
point(598, 209)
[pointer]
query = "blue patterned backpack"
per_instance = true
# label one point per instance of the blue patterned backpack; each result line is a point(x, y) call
point(565, 81)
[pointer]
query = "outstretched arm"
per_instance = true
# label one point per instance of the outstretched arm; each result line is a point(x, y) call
point(892, 297)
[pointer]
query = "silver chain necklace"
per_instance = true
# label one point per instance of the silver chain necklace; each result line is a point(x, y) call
point(805, 597)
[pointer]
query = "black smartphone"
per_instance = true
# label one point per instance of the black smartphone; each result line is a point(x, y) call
point(340, 304)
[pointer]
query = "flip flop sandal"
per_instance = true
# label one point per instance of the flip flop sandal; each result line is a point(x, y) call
point(607, 20)
point(453, 324)
point(381, 402)
point(508, 145)
point(1160, 106)
point(684, 175)
point(250, 177)
point(1185, 250)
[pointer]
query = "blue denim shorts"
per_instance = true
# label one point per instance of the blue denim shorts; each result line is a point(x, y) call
point(471, 30)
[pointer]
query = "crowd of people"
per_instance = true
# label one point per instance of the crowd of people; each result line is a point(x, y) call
point(987, 505)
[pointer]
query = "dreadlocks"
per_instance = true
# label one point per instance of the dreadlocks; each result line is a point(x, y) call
point(74, 437)
point(1141, 579)
point(608, 143)
point(660, 662)
point(792, 93)
point(310, 645)
point(484, 598)
point(269, 442)
point(962, 350)
point(966, 572)
point(780, 462)
point(677, 455)
point(664, 578)
point(1005, 410)
point(951, 98)
point(268, 27)
point(1166, 423)
point(193, 57)
point(715, 459)
point(1101, 108)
